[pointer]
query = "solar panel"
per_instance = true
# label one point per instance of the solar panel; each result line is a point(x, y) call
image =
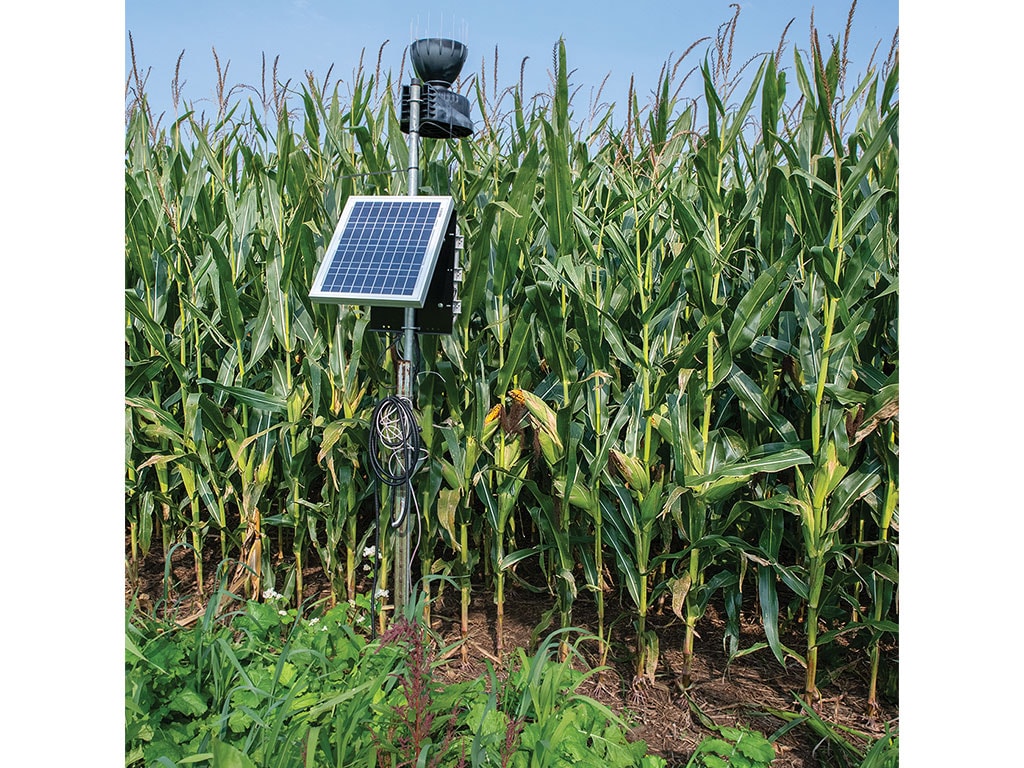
point(383, 251)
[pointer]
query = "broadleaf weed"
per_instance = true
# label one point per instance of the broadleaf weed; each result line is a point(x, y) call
point(736, 747)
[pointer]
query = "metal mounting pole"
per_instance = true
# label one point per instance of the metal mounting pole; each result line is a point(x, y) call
point(402, 498)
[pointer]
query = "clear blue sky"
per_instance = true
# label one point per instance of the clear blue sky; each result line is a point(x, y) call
point(620, 38)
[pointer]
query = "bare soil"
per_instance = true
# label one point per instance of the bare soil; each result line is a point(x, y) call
point(672, 721)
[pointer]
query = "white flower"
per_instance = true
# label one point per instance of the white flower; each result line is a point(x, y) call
point(366, 566)
point(315, 620)
point(282, 613)
point(270, 594)
point(382, 593)
point(370, 551)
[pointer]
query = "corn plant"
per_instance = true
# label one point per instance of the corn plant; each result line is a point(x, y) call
point(556, 502)
point(459, 468)
point(498, 489)
point(839, 308)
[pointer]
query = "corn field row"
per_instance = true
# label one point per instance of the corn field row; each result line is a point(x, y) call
point(675, 375)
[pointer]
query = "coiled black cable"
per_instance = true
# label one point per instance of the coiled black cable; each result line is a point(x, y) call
point(395, 445)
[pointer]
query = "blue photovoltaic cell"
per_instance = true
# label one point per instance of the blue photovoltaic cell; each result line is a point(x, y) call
point(383, 252)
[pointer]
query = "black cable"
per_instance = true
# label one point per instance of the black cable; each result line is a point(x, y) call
point(395, 445)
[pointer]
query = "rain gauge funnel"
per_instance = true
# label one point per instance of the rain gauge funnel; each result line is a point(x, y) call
point(437, 60)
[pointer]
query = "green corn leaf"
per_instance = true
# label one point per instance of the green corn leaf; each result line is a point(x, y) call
point(772, 92)
point(824, 262)
point(229, 302)
point(772, 220)
point(714, 104)
point(698, 342)
point(885, 131)
point(867, 207)
point(521, 335)
point(153, 332)
point(738, 116)
point(758, 307)
point(514, 227)
point(769, 600)
point(168, 426)
point(262, 401)
point(618, 533)
point(851, 488)
point(332, 434)
point(815, 182)
point(140, 374)
point(278, 300)
point(159, 288)
point(753, 397)
point(511, 558)
point(192, 188)
point(489, 502)
point(558, 198)
point(303, 324)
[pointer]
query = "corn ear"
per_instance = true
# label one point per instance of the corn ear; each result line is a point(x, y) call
point(579, 496)
point(491, 422)
point(632, 470)
point(545, 421)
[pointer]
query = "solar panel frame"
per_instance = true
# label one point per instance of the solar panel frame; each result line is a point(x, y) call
point(383, 251)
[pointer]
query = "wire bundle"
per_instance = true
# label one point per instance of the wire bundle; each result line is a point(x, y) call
point(395, 446)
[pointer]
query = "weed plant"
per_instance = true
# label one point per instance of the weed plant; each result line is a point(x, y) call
point(267, 686)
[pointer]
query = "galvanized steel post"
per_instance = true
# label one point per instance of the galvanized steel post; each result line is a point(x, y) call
point(403, 493)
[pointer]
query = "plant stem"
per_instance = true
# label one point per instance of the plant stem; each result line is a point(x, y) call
point(464, 558)
point(350, 551)
point(817, 580)
point(564, 591)
point(197, 542)
point(641, 624)
point(134, 561)
point(602, 649)
point(691, 621)
point(499, 581)
point(858, 561)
